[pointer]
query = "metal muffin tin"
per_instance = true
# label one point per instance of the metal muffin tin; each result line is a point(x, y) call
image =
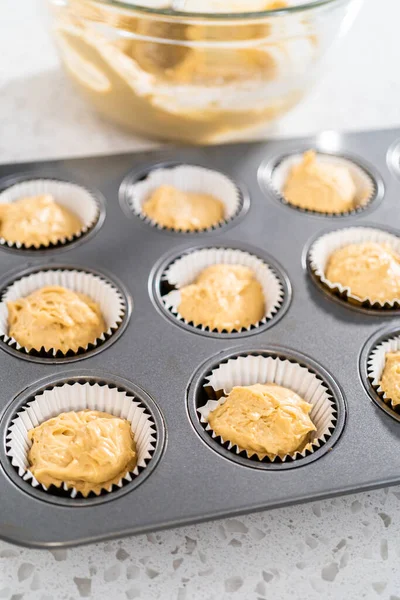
point(190, 479)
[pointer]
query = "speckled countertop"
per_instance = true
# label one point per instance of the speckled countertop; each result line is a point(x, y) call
point(344, 548)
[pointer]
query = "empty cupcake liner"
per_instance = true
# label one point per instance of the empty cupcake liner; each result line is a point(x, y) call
point(71, 196)
point(187, 178)
point(184, 271)
point(365, 184)
point(102, 291)
point(75, 397)
point(376, 364)
point(249, 370)
point(323, 248)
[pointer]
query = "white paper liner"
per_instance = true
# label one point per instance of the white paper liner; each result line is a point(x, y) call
point(376, 363)
point(71, 196)
point(186, 178)
point(186, 269)
point(103, 292)
point(365, 185)
point(249, 370)
point(323, 248)
point(75, 397)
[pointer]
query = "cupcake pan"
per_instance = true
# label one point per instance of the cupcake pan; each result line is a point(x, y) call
point(170, 362)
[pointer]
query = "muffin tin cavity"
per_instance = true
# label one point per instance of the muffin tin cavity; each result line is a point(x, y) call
point(139, 185)
point(320, 248)
point(110, 295)
point(80, 391)
point(87, 204)
point(372, 363)
point(273, 174)
point(215, 379)
point(181, 268)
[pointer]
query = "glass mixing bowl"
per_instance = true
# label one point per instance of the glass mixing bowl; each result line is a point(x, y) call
point(194, 76)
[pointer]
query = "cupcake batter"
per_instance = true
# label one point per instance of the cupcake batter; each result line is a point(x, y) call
point(223, 297)
point(55, 317)
point(37, 221)
point(186, 211)
point(320, 186)
point(371, 271)
point(390, 382)
point(88, 450)
point(265, 419)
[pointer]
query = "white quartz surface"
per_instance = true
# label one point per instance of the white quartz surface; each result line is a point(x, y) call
point(346, 548)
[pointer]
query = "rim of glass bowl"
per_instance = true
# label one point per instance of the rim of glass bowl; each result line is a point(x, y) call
point(298, 8)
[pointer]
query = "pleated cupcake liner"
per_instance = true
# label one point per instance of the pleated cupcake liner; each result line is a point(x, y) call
point(376, 364)
point(248, 370)
point(186, 178)
point(71, 196)
point(323, 248)
point(366, 185)
point(110, 300)
point(76, 397)
point(186, 269)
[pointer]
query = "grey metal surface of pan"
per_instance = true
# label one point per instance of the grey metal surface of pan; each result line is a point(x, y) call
point(191, 480)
